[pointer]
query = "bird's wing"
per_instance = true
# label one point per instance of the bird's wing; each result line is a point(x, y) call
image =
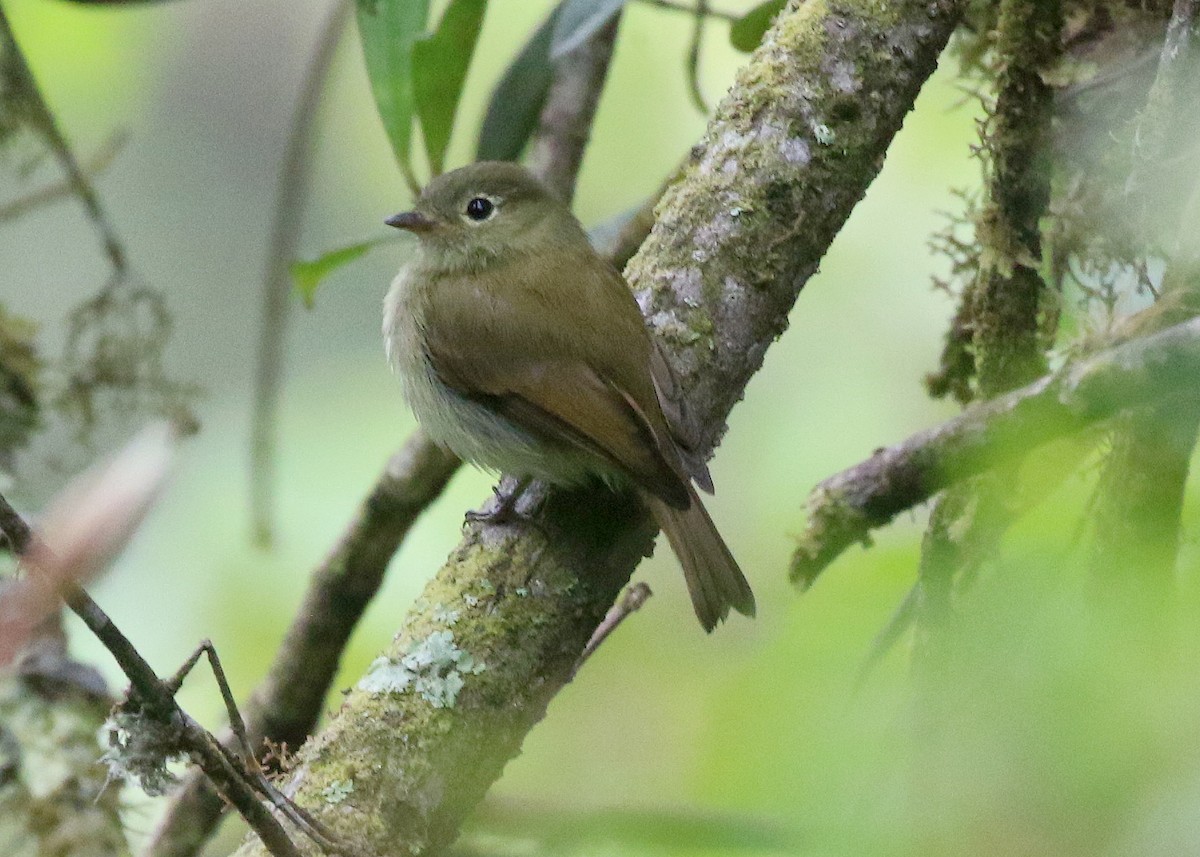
point(683, 426)
point(530, 367)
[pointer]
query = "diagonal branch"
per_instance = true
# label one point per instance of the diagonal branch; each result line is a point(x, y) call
point(565, 123)
point(28, 97)
point(788, 154)
point(844, 508)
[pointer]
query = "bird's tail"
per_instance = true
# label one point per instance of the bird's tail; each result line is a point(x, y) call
point(713, 578)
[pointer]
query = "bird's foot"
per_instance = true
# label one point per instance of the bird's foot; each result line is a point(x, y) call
point(505, 509)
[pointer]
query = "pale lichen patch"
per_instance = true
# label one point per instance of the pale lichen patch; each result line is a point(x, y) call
point(795, 150)
point(433, 667)
point(842, 76)
point(337, 791)
point(688, 285)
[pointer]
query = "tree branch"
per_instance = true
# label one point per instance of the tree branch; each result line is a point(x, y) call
point(565, 124)
point(844, 508)
point(97, 163)
point(496, 633)
point(1008, 301)
point(26, 97)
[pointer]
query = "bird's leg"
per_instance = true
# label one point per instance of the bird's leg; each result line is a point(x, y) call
point(506, 504)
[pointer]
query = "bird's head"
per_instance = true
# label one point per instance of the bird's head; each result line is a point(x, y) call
point(486, 211)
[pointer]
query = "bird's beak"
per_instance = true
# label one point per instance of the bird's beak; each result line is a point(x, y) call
point(413, 221)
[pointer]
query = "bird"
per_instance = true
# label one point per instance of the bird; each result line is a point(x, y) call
point(523, 351)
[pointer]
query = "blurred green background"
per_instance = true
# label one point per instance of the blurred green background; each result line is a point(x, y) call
point(1057, 735)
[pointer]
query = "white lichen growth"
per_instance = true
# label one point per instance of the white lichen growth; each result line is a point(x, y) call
point(337, 791)
point(824, 134)
point(433, 667)
point(139, 748)
point(445, 615)
point(795, 150)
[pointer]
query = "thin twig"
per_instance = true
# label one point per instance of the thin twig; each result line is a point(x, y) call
point(157, 697)
point(693, 56)
point(292, 193)
point(634, 598)
point(844, 508)
point(248, 760)
point(898, 623)
point(42, 120)
point(95, 165)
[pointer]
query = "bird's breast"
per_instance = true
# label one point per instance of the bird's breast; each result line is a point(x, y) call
point(467, 426)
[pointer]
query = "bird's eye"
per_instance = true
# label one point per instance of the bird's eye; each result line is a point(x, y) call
point(480, 208)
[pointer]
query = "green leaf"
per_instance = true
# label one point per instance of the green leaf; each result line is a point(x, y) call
point(747, 31)
point(577, 20)
point(517, 101)
point(388, 29)
point(308, 275)
point(440, 63)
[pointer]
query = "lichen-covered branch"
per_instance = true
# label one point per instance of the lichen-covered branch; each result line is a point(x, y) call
point(790, 151)
point(843, 509)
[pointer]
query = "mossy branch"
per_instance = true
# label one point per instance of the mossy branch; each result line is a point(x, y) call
point(843, 509)
point(790, 151)
point(1010, 294)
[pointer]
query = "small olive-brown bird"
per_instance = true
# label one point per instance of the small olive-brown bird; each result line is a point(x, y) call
point(523, 351)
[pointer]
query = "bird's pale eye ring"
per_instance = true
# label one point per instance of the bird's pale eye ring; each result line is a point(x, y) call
point(480, 208)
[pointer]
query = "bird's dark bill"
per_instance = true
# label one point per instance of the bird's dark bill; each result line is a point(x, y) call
point(413, 221)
